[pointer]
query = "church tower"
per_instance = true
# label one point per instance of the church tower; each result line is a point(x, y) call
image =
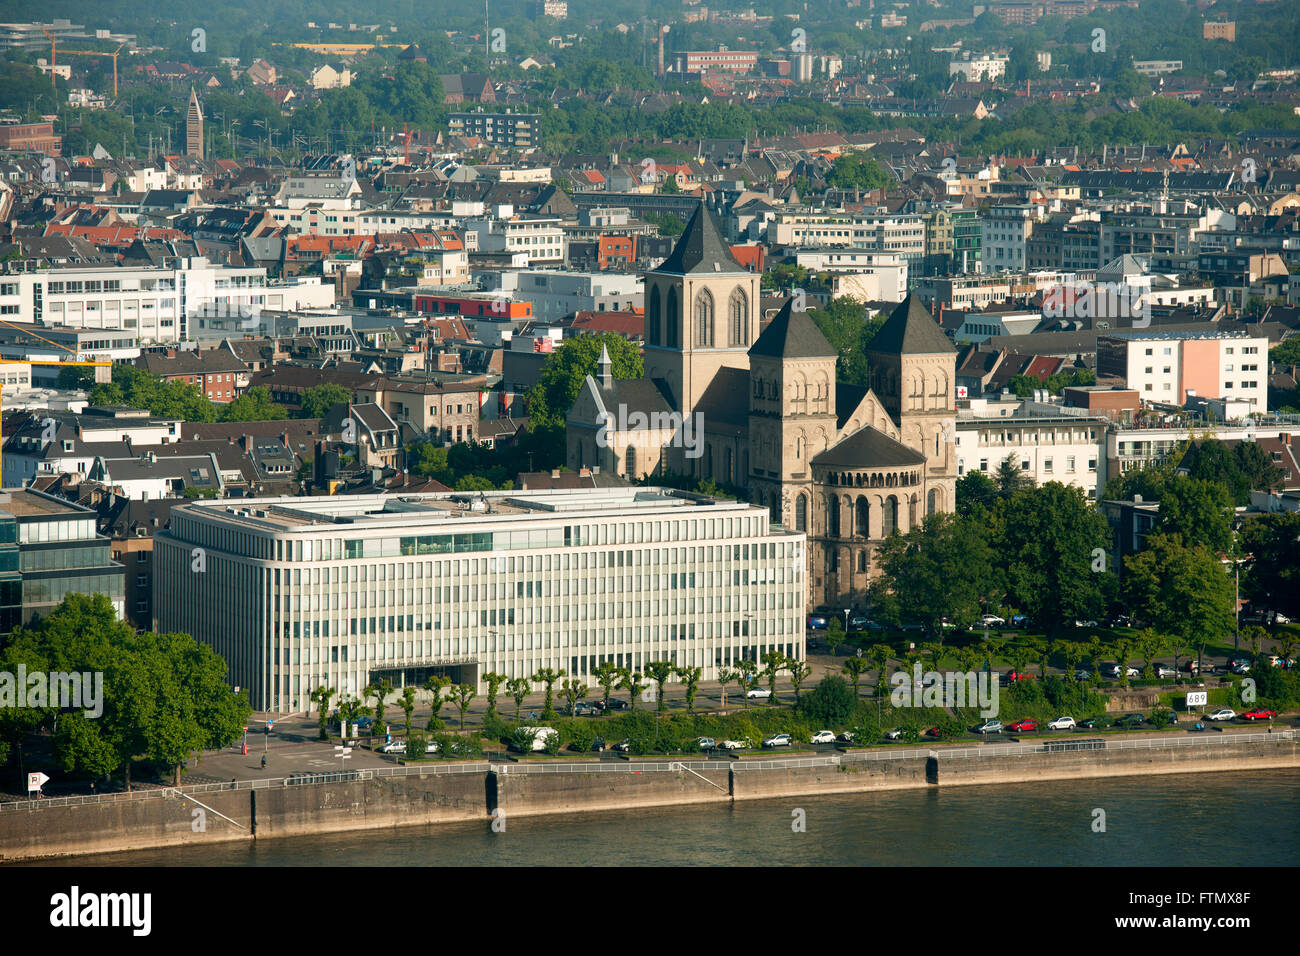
point(913, 372)
point(791, 414)
point(701, 313)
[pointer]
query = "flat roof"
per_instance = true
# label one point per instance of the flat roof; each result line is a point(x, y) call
point(397, 510)
point(26, 504)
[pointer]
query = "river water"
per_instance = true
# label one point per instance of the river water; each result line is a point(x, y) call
point(1221, 819)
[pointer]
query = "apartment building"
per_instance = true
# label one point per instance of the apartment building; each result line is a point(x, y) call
point(163, 305)
point(901, 235)
point(1004, 236)
point(1172, 367)
point(1049, 447)
point(557, 294)
point(446, 412)
point(522, 131)
point(540, 239)
point(348, 591)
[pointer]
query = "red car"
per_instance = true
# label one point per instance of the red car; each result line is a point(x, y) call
point(1020, 726)
point(1014, 676)
point(936, 732)
point(1259, 715)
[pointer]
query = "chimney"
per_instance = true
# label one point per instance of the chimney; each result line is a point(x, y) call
point(245, 442)
point(284, 440)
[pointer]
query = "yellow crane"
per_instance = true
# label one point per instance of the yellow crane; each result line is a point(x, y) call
point(114, 54)
point(76, 362)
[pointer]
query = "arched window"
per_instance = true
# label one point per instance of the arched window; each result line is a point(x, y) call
point(656, 329)
point(672, 322)
point(889, 520)
point(833, 517)
point(738, 313)
point(911, 512)
point(801, 513)
point(631, 461)
point(932, 501)
point(704, 320)
point(862, 562)
point(862, 517)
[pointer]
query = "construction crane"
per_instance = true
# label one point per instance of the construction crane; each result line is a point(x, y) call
point(75, 363)
point(100, 53)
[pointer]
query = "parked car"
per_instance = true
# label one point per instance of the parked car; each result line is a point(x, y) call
point(1192, 667)
point(1019, 620)
point(1170, 718)
point(1241, 668)
point(858, 621)
point(364, 724)
point(823, 737)
point(707, 743)
point(583, 709)
point(1223, 713)
point(777, 740)
point(818, 622)
point(1259, 714)
point(893, 734)
point(758, 693)
point(847, 737)
point(1082, 674)
point(1163, 670)
point(598, 745)
point(1023, 726)
point(393, 747)
point(1085, 624)
point(1013, 677)
point(935, 732)
point(1061, 723)
point(732, 745)
point(989, 727)
point(911, 626)
point(623, 746)
point(1130, 720)
point(615, 703)
point(431, 747)
point(1114, 671)
point(1095, 723)
point(1120, 620)
point(992, 620)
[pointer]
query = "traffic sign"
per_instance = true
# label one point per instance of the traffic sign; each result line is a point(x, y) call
point(35, 781)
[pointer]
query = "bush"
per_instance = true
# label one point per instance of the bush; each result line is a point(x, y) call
point(830, 703)
point(521, 740)
point(579, 736)
point(494, 728)
point(553, 743)
point(415, 745)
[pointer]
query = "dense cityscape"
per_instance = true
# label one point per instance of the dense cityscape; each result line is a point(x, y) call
point(712, 401)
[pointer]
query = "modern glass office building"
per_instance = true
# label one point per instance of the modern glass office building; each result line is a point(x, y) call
point(343, 591)
point(49, 548)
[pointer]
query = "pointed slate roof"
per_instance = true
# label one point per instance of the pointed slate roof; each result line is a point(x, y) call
point(866, 448)
point(911, 330)
point(701, 249)
point(791, 334)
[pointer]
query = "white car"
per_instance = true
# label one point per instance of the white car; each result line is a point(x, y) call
point(1061, 723)
point(431, 747)
point(989, 620)
point(1164, 670)
point(395, 747)
point(777, 740)
point(1224, 713)
point(731, 745)
point(823, 737)
point(1115, 671)
point(758, 693)
point(893, 734)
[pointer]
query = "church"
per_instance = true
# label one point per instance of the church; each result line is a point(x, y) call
point(761, 410)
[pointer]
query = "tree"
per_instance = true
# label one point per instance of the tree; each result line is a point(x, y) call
point(494, 682)
point(1052, 546)
point(834, 634)
point(1180, 589)
point(799, 672)
point(434, 685)
point(630, 681)
point(773, 665)
point(567, 367)
point(548, 676)
point(518, 688)
point(321, 697)
point(407, 703)
point(731, 675)
point(880, 655)
point(380, 690)
point(846, 326)
point(1010, 477)
point(462, 694)
point(977, 493)
point(1199, 510)
point(855, 667)
point(319, 399)
point(573, 691)
point(690, 676)
point(854, 172)
point(830, 703)
point(1271, 578)
point(254, 405)
point(943, 569)
point(415, 744)
point(607, 675)
point(659, 672)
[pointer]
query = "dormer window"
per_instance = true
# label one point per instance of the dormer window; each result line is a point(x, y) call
point(67, 445)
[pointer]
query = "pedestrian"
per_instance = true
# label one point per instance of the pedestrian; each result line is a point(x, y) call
point(232, 783)
point(263, 761)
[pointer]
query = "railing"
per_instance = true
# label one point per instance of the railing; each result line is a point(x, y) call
point(614, 766)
